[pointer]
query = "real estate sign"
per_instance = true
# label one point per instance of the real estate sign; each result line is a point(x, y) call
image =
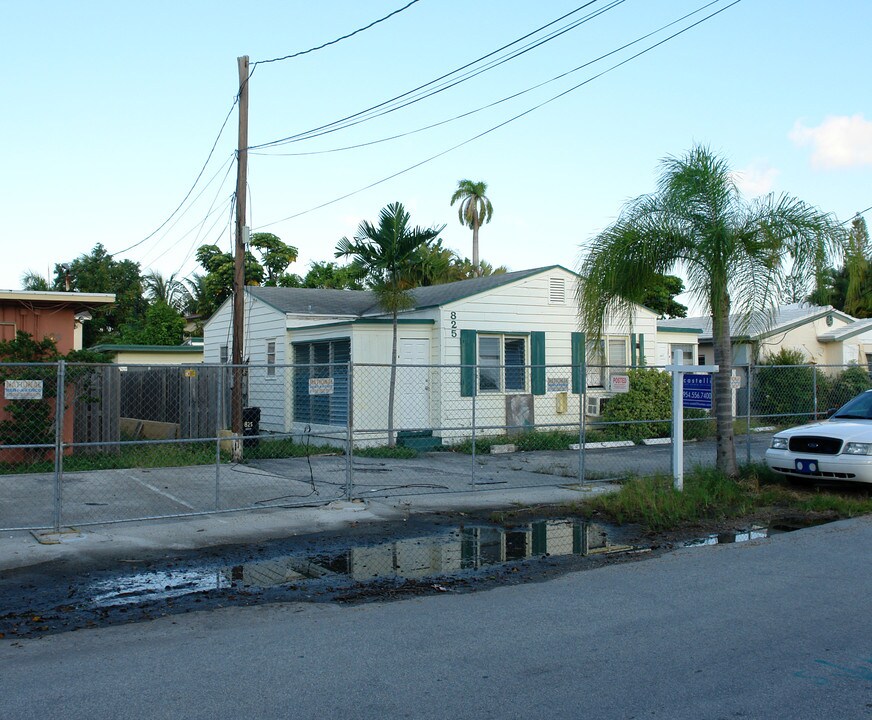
point(697, 391)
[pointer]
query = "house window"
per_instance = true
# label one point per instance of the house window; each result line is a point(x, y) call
point(222, 355)
point(328, 405)
point(502, 363)
point(557, 291)
point(686, 353)
point(869, 361)
point(607, 358)
point(270, 358)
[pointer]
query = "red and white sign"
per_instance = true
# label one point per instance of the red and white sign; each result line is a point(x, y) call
point(619, 383)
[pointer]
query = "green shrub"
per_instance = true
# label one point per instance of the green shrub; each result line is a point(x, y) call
point(784, 385)
point(846, 385)
point(649, 398)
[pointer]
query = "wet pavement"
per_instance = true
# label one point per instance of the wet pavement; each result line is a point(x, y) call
point(372, 562)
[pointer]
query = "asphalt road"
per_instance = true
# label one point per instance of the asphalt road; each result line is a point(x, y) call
point(778, 628)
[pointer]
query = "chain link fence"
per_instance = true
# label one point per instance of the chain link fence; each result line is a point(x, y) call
point(88, 444)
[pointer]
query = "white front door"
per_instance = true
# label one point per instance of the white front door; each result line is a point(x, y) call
point(412, 401)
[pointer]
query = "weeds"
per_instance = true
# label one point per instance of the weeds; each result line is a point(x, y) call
point(709, 495)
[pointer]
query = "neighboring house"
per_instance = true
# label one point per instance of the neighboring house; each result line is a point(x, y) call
point(55, 315)
point(512, 326)
point(822, 334)
point(152, 354)
point(677, 337)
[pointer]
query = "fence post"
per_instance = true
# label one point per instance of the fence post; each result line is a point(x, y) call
point(219, 426)
point(349, 441)
point(582, 400)
point(472, 477)
point(814, 391)
point(748, 418)
point(59, 445)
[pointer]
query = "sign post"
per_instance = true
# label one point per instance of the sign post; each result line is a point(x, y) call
point(694, 395)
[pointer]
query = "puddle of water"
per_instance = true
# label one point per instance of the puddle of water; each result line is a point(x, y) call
point(754, 533)
point(455, 551)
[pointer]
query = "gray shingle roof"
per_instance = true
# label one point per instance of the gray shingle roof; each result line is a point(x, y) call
point(760, 323)
point(846, 331)
point(360, 303)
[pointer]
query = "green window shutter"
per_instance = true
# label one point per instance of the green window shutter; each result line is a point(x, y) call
point(632, 349)
point(578, 362)
point(641, 350)
point(537, 361)
point(467, 362)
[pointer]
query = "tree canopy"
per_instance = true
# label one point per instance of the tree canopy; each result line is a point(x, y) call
point(736, 255)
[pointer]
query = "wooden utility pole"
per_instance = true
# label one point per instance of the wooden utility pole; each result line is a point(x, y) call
point(239, 260)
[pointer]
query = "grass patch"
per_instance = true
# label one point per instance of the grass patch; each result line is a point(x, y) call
point(278, 448)
point(399, 452)
point(528, 441)
point(711, 496)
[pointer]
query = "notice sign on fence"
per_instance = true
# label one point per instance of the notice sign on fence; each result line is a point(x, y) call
point(321, 386)
point(619, 383)
point(697, 391)
point(23, 390)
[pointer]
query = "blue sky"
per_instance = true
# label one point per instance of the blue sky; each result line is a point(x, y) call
point(111, 109)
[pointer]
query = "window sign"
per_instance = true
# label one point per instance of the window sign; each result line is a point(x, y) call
point(321, 386)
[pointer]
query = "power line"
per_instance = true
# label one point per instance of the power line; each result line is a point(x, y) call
point(339, 39)
point(427, 84)
point(495, 102)
point(469, 75)
point(505, 122)
point(188, 194)
point(856, 215)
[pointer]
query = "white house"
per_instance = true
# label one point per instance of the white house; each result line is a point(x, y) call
point(822, 335)
point(510, 340)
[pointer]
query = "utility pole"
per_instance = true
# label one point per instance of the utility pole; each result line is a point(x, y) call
point(239, 261)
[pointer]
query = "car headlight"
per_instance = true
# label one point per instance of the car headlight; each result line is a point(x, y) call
point(778, 443)
point(858, 448)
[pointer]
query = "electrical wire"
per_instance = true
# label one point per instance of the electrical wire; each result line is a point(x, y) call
point(856, 215)
point(339, 39)
point(464, 77)
point(194, 185)
point(496, 102)
point(427, 84)
point(505, 122)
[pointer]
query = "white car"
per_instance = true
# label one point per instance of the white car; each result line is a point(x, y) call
point(839, 448)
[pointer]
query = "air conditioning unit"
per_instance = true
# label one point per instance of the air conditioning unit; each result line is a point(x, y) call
point(596, 404)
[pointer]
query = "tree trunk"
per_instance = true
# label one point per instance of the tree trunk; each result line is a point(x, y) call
point(391, 391)
point(477, 268)
point(722, 392)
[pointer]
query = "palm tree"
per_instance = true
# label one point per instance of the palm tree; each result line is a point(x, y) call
point(474, 209)
point(383, 254)
point(32, 280)
point(734, 254)
point(165, 289)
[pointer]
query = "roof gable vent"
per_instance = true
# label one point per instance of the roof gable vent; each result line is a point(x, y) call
point(557, 291)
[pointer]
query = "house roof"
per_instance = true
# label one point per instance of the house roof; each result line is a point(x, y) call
point(846, 331)
point(43, 297)
point(172, 349)
point(761, 323)
point(358, 303)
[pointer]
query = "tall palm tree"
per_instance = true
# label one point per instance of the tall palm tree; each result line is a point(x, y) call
point(32, 280)
point(474, 209)
point(383, 254)
point(734, 254)
point(165, 289)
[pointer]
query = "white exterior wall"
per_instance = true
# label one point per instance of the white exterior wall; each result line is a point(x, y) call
point(520, 308)
point(665, 341)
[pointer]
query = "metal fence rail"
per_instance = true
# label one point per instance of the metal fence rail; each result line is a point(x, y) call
point(85, 444)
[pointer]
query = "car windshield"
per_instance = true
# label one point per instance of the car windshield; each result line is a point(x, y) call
point(860, 407)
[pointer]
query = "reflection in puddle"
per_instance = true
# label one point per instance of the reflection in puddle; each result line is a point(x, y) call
point(467, 548)
point(755, 533)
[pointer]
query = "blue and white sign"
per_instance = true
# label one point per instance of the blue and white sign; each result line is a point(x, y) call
point(697, 391)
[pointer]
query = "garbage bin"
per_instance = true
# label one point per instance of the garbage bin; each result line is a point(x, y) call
point(250, 426)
